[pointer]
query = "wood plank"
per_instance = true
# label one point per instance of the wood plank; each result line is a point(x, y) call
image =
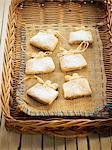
point(13, 140)
point(94, 142)
point(111, 142)
point(59, 143)
point(36, 142)
point(31, 142)
point(82, 143)
point(3, 137)
point(8, 140)
point(26, 143)
point(71, 144)
point(48, 142)
point(105, 143)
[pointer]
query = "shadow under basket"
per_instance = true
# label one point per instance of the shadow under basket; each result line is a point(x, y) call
point(47, 13)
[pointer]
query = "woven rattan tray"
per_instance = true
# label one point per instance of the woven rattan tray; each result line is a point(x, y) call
point(74, 118)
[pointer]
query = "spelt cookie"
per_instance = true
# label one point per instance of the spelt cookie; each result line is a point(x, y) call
point(76, 86)
point(80, 36)
point(45, 41)
point(44, 93)
point(40, 65)
point(70, 62)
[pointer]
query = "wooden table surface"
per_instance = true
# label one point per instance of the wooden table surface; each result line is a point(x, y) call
point(15, 141)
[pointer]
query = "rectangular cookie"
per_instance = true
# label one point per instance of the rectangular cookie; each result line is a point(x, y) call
point(72, 62)
point(76, 88)
point(39, 65)
point(80, 36)
point(42, 94)
point(45, 41)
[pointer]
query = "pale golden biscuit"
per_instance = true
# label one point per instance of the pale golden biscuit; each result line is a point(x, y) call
point(76, 87)
point(43, 93)
point(40, 65)
point(72, 62)
point(44, 41)
point(80, 36)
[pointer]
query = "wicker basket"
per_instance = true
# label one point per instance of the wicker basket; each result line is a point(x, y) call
point(59, 126)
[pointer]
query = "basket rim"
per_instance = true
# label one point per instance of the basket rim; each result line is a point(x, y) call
point(15, 4)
